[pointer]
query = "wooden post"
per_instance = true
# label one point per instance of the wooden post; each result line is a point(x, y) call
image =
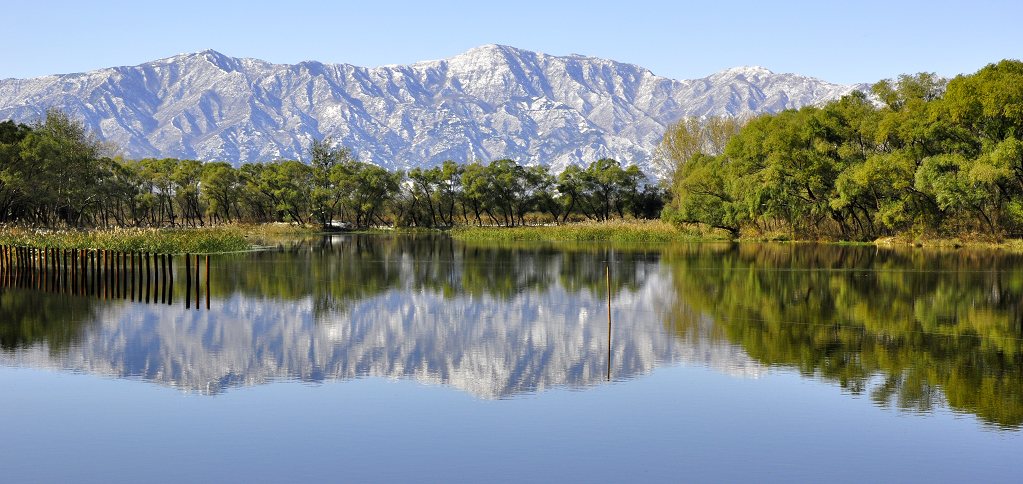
point(197, 281)
point(142, 272)
point(63, 279)
point(188, 280)
point(44, 279)
point(138, 269)
point(170, 279)
point(94, 261)
point(117, 274)
point(131, 279)
point(207, 282)
point(74, 271)
point(148, 275)
point(609, 322)
point(124, 275)
point(163, 278)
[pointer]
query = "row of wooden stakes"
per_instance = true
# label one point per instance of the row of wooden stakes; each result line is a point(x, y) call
point(104, 274)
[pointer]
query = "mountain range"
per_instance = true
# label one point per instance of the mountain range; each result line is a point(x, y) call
point(490, 102)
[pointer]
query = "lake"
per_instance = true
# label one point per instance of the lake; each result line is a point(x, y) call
point(419, 358)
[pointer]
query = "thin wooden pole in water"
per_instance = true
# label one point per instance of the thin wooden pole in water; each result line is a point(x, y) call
point(84, 256)
point(131, 276)
point(188, 280)
point(104, 267)
point(112, 269)
point(140, 275)
point(44, 268)
point(74, 271)
point(163, 278)
point(117, 274)
point(63, 279)
point(197, 281)
point(609, 322)
point(108, 273)
point(41, 258)
point(94, 262)
point(54, 269)
point(170, 279)
point(207, 282)
point(124, 275)
point(148, 276)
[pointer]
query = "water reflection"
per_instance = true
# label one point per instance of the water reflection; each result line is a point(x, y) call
point(496, 322)
point(912, 330)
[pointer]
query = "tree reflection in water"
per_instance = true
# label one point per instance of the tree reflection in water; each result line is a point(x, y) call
point(933, 327)
point(912, 329)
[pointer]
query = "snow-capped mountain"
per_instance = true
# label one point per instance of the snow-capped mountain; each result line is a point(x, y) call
point(490, 102)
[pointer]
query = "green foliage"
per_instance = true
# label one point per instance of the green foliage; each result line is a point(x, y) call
point(929, 159)
point(52, 175)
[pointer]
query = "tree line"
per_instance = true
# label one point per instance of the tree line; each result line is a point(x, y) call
point(56, 174)
point(918, 155)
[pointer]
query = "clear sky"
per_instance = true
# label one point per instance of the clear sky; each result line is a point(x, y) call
point(838, 41)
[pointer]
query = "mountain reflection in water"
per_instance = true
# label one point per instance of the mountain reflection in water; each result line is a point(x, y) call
point(912, 330)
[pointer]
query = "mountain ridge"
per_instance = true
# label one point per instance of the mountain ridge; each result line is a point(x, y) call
point(492, 101)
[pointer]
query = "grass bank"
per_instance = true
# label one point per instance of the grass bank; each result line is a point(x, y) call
point(632, 231)
point(953, 243)
point(231, 238)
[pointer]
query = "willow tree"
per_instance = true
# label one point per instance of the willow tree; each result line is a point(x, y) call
point(58, 170)
point(691, 136)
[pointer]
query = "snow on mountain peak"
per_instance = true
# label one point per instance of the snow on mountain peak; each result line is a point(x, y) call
point(489, 102)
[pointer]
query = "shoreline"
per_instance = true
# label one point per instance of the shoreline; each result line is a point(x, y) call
point(177, 240)
point(244, 237)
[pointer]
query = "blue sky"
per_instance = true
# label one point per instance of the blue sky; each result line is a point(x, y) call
point(838, 41)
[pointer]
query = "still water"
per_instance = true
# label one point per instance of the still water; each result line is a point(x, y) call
point(375, 358)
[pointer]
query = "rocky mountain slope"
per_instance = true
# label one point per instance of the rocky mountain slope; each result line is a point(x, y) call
point(490, 102)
